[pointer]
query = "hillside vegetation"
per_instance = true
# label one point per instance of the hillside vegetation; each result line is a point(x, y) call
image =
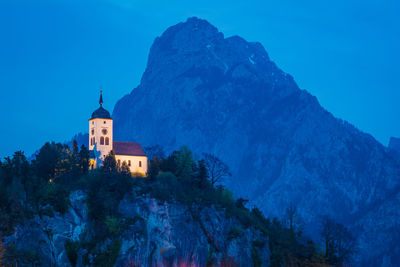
point(46, 188)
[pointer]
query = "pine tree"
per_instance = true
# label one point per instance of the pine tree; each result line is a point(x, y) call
point(201, 174)
point(154, 168)
point(84, 159)
point(185, 163)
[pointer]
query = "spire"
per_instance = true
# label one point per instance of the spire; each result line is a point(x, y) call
point(101, 98)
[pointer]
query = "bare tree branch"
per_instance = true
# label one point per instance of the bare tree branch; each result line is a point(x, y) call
point(217, 169)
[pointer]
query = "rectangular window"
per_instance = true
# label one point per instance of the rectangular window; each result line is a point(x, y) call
point(140, 163)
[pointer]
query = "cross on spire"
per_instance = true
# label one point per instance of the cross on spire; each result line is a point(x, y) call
point(101, 98)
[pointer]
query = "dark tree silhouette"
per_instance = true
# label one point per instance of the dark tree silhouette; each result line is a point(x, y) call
point(153, 152)
point(201, 174)
point(340, 245)
point(109, 163)
point(216, 169)
point(84, 159)
point(292, 217)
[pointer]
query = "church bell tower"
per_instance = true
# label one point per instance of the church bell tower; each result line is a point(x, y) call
point(100, 133)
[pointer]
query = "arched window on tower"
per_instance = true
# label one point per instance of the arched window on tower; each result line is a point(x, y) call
point(102, 140)
point(107, 141)
point(91, 141)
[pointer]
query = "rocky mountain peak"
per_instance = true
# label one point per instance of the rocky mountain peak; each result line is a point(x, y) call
point(190, 36)
point(196, 43)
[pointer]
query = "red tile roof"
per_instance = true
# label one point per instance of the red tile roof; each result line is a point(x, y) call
point(128, 149)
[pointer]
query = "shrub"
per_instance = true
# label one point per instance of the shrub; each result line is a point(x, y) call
point(108, 257)
point(55, 195)
point(255, 257)
point(47, 211)
point(235, 233)
point(113, 226)
point(259, 243)
point(166, 187)
point(71, 248)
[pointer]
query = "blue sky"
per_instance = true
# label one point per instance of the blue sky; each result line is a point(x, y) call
point(54, 56)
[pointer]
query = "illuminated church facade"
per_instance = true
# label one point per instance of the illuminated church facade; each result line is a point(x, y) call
point(101, 142)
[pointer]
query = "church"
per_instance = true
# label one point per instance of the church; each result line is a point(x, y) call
point(101, 142)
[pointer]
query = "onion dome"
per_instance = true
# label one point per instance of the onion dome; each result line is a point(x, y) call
point(101, 112)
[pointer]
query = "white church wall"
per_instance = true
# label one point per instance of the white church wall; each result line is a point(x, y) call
point(134, 163)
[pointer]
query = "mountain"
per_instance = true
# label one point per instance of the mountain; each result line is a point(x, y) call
point(225, 95)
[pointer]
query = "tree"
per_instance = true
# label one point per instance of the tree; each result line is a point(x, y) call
point(125, 168)
point(155, 151)
point(71, 248)
point(216, 169)
point(84, 159)
point(241, 203)
point(110, 163)
point(201, 174)
point(154, 168)
point(20, 165)
point(339, 243)
point(46, 161)
point(75, 151)
point(184, 163)
point(292, 217)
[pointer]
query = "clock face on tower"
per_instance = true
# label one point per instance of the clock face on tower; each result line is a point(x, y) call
point(104, 131)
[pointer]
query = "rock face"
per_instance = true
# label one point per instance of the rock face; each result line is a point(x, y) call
point(225, 96)
point(170, 235)
point(159, 234)
point(47, 234)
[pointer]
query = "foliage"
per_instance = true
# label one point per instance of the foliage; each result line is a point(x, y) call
point(108, 257)
point(340, 245)
point(55, 195)
point(14, 256)
point(113, 226)
point(154, 152)
point(235, 233)
point(71, 248)
point(43, 187)
point(255, 257)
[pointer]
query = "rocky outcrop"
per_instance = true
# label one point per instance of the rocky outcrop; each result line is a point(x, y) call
point(158, 234)
point(44, 236)
point(225, 96)
point(172, 234)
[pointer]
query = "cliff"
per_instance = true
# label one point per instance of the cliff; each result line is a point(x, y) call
point(157, 234)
